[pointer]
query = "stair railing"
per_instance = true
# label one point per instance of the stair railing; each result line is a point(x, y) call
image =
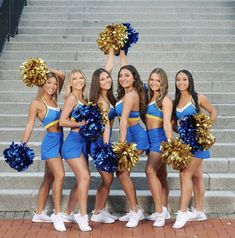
point(10, 12)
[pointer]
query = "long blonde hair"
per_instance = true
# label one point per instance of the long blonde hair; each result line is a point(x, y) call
point(68, 84)
point(164, 86)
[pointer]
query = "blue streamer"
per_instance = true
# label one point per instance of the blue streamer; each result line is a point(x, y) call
point(188, 133)
point(104, 158)
point(19, 156)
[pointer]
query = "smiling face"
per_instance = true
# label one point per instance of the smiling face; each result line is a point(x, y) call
point(126, 78)
point(77, 81)
point(50, 86)
point(182, 82)
point(155, 82)
point(105, 81)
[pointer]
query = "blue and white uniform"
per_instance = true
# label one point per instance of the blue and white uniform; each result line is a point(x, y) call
point(75, 144)
point(135, 134)
point(52, 142)
point(155, 135)
point(190, 109)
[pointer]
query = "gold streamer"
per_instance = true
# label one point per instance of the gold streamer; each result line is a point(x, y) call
point(204, 125)
point(34, 72)
point(127, 154)
point(176, 154)
point(113, 36)
point(104, 114)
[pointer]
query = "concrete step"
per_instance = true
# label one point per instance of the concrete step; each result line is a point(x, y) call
point(27, 96)
point(25, 200)
point(136, 3)
point(212, 165)
point(144, 32)
point(80, 8)
point(132, 55)
point(146, 65)
point(14, 134)
point(215, 181)
point(12, 108)
point(206, 76)
point(123, 17)
point(135, 23)
point(71, 43)
point(218, 150)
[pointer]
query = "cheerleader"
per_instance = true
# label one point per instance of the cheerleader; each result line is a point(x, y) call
point(74, 148)
point(159, 128)
point(130, 105)
point(101, 93)
point(46, 109)
point(188, 102)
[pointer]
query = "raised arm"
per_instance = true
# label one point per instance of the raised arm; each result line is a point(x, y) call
point(123, 59)
point(109, 61)
point(167, 107)
point(204, 103)
point(61, 77)
point(33, 111)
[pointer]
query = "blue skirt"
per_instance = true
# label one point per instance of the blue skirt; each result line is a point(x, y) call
point(74, 146)
point(202, 154)
point(51, 145)
point(156, 136)
point(136, 134)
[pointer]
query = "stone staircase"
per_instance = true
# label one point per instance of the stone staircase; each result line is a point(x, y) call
point(198, 35)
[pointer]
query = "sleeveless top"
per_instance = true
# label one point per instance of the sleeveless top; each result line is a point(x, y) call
point(112, 113)
point(79, 104)
point(133, 116)
point(52, 115)
point(188, 109)
point(153, 111)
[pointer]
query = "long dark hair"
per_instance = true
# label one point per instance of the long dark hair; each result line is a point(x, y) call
point(137, 84)
point(191, 91)
point(163, 89)
point(95, 87)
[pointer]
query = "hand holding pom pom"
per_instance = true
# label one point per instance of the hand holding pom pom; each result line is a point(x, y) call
point(104, 158)
point(127, 155)
point(34, 72)
point(19, 156)
point(176, 153)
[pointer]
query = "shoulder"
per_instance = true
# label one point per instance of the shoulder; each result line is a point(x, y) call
point(131, 96)
point(71, 99)
point(166, 101)
point(201, 98)
point(103, 103)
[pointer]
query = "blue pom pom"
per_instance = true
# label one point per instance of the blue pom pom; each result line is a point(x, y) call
point(133, 37)
point(19, 156)
point(80, 112)
point(188, 133)
point(104, 158)
point(94, 128)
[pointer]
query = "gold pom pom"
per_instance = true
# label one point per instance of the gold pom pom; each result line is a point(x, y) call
point(113, 36)
point(127, 154)
point(176, 153)
point(34, 72)
point(104, 113)
point(204, 136)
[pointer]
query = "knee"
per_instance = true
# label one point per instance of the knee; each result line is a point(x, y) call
point(122, 175)
point(150, 172)
point(48, 178)
point(107, 182)
point(85, 178)
point(60, 176)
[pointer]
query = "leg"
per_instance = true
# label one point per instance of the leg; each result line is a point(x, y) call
point(57, 169)
point(129, 189)
point(198, 188)
point(81, 171)
point(153, 164)
point(44, 190)
point(103, 190)
point(73, 199)
point(162, 176)
point(187, 183)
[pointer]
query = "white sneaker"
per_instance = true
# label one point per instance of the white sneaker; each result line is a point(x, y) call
point(101, 217)
point(43, 217)
point(181, 219)
point(82, 222)
point(127, 217)
point(135, 217)
point(109, 214)
point(167, 214)
point(69, 217)
point(160, 219)
point(58, 223)
point(198, 216)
